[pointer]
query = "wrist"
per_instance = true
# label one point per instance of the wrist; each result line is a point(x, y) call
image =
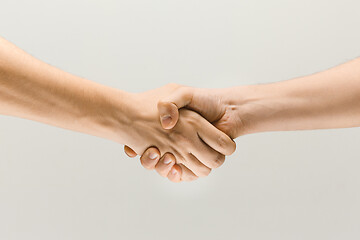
point(129, 118)
point(109, 114)
point(258, 108)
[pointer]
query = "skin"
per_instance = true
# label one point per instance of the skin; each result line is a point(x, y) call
point(34, 90)
point(328, 99)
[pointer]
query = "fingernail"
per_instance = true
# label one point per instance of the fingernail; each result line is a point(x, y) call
point(167, 160)
point(166, 119)
point(153, 156)
point(173, 172)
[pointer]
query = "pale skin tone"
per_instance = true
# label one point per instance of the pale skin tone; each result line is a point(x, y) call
point(32, 89)
point(187, 146)
point(328, 99)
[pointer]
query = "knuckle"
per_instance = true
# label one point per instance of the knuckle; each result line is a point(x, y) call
point(161, 103)
point(218, 161)
point(193, 121)
point(172, 85)
point(164, 103)
point(186, 92)
point(184, 161)
point(226, 145)
point(223, 142)
point(189, 118)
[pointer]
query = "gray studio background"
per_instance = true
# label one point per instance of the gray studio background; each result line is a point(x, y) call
point(56, 184)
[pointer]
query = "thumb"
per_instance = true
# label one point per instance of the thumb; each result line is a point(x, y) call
point(169, 106)
point(129, 151)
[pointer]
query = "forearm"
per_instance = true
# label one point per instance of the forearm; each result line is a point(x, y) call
point(329, 99)
point(35, 90)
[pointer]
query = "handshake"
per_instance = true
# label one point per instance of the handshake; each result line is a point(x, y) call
point(189, 133)
point(182, 132)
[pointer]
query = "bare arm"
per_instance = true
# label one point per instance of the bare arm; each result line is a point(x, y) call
point(328, 99)
point(37, 91)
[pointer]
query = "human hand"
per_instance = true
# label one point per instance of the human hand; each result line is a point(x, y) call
point(193, 144)
point(213, 104)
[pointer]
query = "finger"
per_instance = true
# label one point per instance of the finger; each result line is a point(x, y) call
point(175, 173)
point(165, 164)
point(207, 156)
point(215, 138)
point(150, 158)
point(168, 106)
point(187, 175)
point(196, 166)
point(131, 153)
